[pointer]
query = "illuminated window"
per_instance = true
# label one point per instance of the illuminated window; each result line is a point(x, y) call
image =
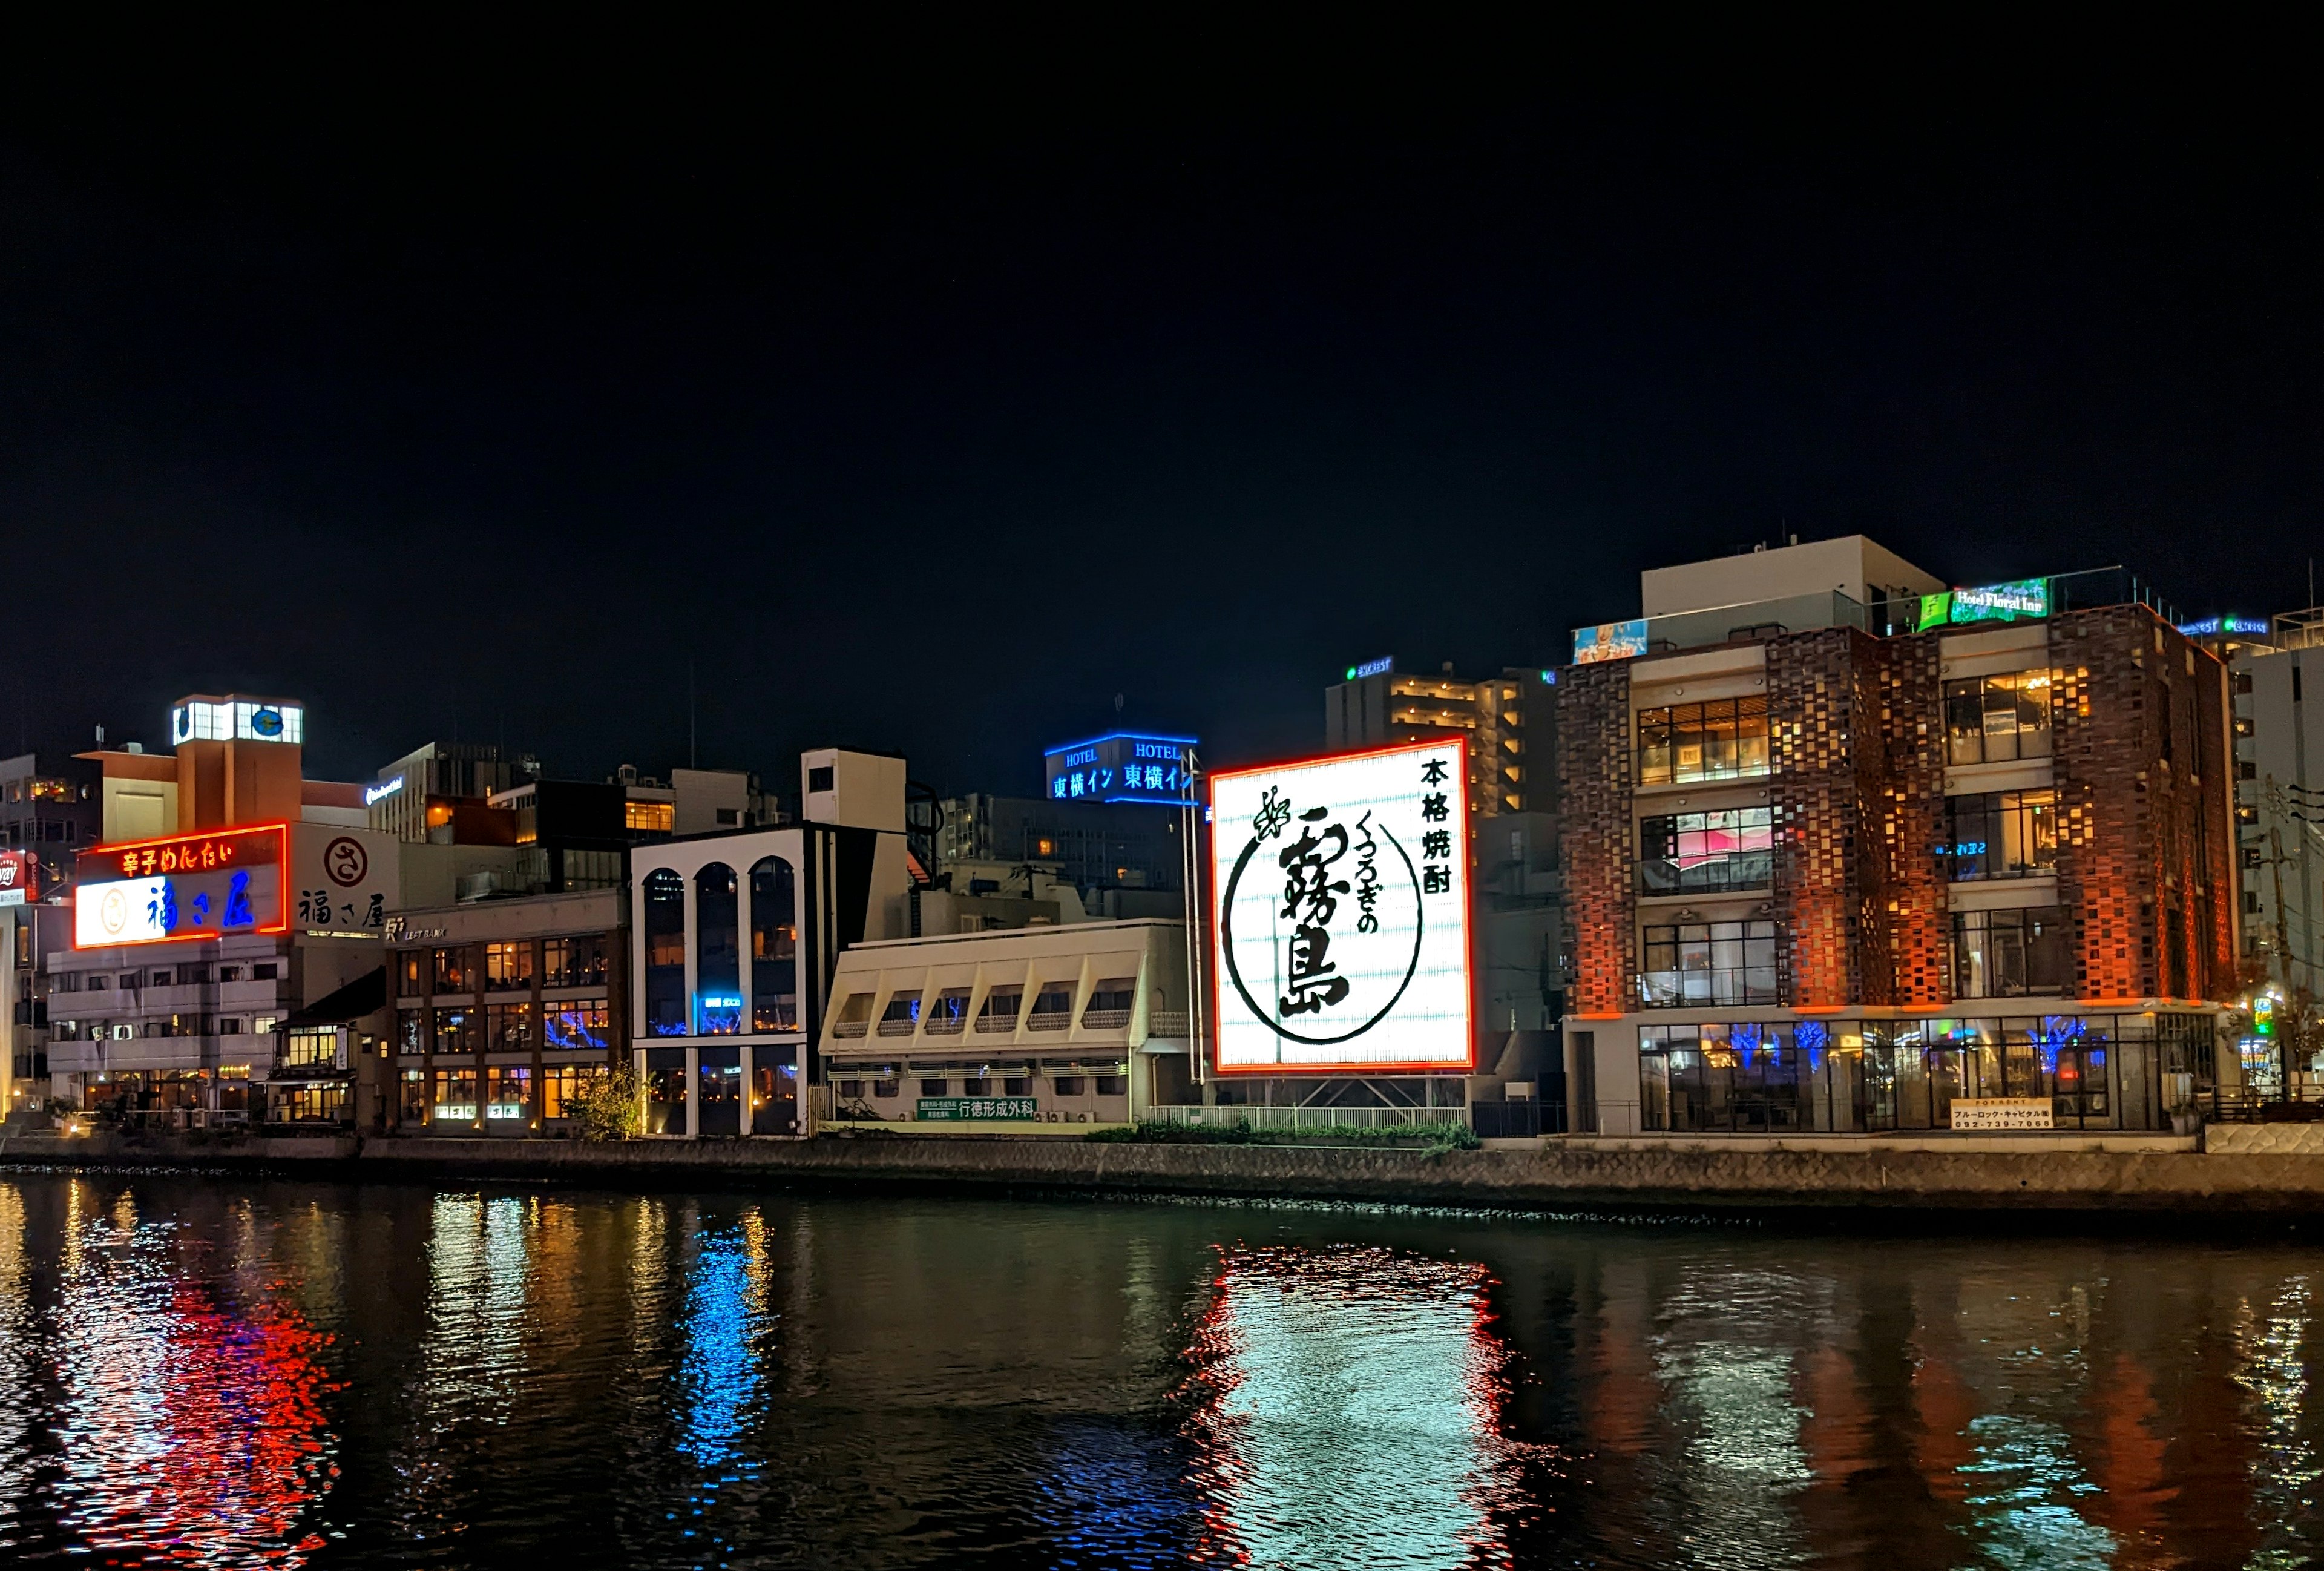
point(508, 968)
point(1703, 853)
point(1699, 963)
point(1994, 719)
point(664, 935)
point(1722, 739)
point(653, 818)
point(2010, 954)
point(717, 952)
point(2001, 834)
point(774, 948)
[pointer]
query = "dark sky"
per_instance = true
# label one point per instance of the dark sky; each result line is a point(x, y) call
point(927, 397)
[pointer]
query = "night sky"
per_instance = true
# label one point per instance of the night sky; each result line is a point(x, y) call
point(926, 401)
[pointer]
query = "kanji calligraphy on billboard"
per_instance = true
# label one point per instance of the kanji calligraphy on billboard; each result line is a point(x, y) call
point(1340, 891)
point(183, 886)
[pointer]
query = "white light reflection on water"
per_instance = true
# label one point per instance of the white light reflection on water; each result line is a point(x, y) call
point(479, 1267)
point(1352, 1404)
point(2284, 1471)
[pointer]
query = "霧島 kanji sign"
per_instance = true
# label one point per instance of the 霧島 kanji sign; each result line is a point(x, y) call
point(1340, 909)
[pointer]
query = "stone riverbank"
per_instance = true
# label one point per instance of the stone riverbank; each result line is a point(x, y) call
point(2231, 1173)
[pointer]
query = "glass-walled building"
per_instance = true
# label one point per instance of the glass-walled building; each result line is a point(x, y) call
point(1958, 867)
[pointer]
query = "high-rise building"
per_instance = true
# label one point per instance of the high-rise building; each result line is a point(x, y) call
point(1511, 723)
point(2278, 770)
point(1819, 879)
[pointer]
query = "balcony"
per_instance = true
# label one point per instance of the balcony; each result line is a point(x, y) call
point(1105, 1020)
point(947, 1025)
point(1167, 1023)
point(1737, 871)
point(1691, 989)
point(850, 1028)
point(989, 1024)
point(1048, 1020)
point(897, 1028)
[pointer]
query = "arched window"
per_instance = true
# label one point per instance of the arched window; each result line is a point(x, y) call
point(665, 938)
point(774, 948)
point(717, 953)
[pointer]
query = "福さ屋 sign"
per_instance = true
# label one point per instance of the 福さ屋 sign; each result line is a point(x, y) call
point(202, 885)
point(1339, 908)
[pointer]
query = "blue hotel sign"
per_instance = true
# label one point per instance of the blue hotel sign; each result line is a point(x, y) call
point(1124, 767)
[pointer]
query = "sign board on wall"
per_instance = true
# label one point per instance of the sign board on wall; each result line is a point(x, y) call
point(203, 885)
point(2000, 1112)
point(1124, 767)
point(20, 878)
point(1340, 910)
point(346, 880)
point(1609, 640)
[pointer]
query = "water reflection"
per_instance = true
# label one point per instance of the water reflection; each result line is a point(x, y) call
point(1353, 1400)
point(190, 1429)
point(583, 1380)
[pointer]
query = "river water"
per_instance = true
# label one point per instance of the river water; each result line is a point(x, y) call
point(235, 1372)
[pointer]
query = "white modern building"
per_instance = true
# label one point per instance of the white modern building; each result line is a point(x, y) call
point(734, 938)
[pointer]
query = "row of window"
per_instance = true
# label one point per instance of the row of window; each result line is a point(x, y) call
point(504, 1028)
point(1988, 719)
point(947, 1012)
point(719, 1005)
point(2098, 1071)
point(2003, 953)
point(168, 1025)
point(1987, 834)
point(983, 1085)
point(509, 966)
point(186, 975)
point(499, 1092)
point(33, 832)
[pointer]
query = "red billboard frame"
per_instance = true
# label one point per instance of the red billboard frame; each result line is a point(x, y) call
point(1217, 951)
point(282, 831)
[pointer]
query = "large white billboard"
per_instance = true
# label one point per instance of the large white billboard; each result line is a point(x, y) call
point(1340, 913)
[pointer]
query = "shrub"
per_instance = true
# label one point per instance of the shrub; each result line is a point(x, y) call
point(610, 1106)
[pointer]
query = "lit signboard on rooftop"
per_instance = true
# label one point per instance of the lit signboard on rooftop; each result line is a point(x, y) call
point(1340, 906)
point(2024, 597)
point(1124, 767)
point(1372, 667)
point(2217, 624)
point(183, 886)
point(235, 720)
point(1609, 640)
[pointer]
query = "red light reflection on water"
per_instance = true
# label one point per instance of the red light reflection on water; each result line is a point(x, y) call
point(203, 1441)
point(1349, 1401)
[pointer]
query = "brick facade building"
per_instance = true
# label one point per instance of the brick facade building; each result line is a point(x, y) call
point(1828, 880)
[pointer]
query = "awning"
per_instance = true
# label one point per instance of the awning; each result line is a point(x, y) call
point(366, 994)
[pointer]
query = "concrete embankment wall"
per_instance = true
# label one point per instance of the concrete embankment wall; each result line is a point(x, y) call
point(1554, 1177)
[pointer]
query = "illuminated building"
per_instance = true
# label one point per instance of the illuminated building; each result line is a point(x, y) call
point(1964, 871)
point(1125, 859)
point(2280, 804)
point(735, 934)
point(1510, 724)
point(230, 896)
point(402, 796)
point(1016, 1030)
point(505, 1010)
